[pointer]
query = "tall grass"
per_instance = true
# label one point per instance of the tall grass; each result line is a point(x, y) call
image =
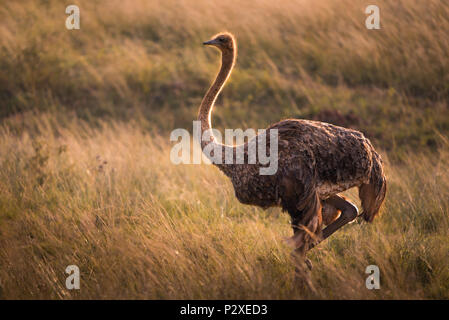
point(85, 176)
point(110, 201)
point(297, 58)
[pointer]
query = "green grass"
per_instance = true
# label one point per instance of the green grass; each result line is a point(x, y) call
point(138, 59)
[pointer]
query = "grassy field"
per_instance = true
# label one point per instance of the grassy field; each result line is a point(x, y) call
point(85, 118)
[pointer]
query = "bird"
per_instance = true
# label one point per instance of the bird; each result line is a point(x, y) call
point(316, 162)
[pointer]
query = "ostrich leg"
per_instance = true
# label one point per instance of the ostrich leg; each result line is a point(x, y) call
point(306, 225)
point(348, 213)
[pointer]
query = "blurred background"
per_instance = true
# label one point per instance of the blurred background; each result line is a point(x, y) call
point(144, 60)
point(85, 118)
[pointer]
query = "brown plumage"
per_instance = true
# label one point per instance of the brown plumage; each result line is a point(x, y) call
point(317, 161)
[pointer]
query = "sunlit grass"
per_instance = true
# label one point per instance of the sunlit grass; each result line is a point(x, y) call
point(85, 176)
point(110, 201)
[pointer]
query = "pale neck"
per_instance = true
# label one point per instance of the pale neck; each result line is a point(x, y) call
point(204, 115)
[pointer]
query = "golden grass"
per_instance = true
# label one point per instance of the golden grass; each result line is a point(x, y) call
point(110, 201)
point(85, 176)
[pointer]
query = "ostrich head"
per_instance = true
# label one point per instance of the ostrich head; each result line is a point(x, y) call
point(223, 41)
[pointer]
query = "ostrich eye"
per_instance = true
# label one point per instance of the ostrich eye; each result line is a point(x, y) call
point(222, 39)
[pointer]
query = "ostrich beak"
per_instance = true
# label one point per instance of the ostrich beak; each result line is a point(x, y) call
point(210, 42)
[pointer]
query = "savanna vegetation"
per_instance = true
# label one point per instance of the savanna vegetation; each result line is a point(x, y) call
point(85, 174)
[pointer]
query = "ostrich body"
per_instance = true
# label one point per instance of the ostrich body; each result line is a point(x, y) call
point(316, 161)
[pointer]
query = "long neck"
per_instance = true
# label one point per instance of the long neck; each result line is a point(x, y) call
point(204, 115)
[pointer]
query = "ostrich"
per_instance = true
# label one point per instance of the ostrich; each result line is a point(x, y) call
point(316, 161)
